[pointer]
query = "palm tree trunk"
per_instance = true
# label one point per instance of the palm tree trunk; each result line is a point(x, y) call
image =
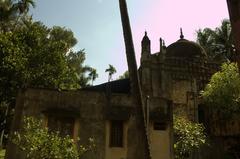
point(234, 14)
point(138, 143)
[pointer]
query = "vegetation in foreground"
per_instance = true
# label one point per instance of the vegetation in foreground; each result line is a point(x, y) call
point(189, 136)
point(2, 153)
point(34, 55)
point(222, 93)
point(37, 142)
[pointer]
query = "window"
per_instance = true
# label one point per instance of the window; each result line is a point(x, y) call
point(201, 114)
point(159, 126)
point(116, 134)
point(65, 125)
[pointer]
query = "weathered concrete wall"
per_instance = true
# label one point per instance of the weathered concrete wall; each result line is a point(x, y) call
point(160, 141)
point(157, 90)
point(227, 127)
point(185, 99)
point(88, 109)
point(180, 89)
point(116, 152)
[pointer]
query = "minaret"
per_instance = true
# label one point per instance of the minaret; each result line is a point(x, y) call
point(234, 14)
point(181, 34)
point(146, 47)
point(161, 44)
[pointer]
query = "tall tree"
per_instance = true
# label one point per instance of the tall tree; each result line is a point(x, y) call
point(125, 75)
point(138, 147)
point(13, 13)
point(34, 56)
point(222, 93)
point(93, 74)
point(24, 5)
point(75, 61)
point(206, 40)
point(217, 43)
point(111, 70)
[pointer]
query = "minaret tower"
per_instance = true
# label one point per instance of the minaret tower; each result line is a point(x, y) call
point(146, 48)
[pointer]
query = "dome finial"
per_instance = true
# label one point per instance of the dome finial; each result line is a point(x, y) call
point(181, 34)
point(145, 33)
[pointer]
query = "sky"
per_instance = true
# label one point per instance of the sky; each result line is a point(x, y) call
point(97, 25)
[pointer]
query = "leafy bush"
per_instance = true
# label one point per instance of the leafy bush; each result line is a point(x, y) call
point(189, 136)
point(38, 142)
point(2, 153)
point(223, 91)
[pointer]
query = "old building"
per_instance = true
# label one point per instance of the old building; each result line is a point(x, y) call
point(170, 80)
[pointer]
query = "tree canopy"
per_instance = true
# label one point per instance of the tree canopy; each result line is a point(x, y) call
point(189, 136)
point(222, 93)
point(12, 13)
point(93, 74)
point(217, 43)
point(38, 56)
point(34, 55)
point(111, 70)
point(124, 75)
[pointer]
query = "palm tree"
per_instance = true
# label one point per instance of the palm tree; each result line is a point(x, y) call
point(205, 39)
point(111, 70)
point(142, 150)
point(11, 12)
point(223, 39)
point(93, 74)
point(217, 43)
point(24, 5)
point(8, 12)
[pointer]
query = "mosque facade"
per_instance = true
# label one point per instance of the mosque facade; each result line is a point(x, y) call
point(171, 81)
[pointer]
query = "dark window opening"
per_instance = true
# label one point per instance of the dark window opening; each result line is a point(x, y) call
point(159, 126)
point(201, 116)
point(116, 134)
point(64, 125)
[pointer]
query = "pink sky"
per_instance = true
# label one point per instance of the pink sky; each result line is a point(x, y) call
point(97, 25)
point(163, 18)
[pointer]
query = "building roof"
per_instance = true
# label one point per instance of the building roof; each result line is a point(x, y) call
point(185, 49)
point(117, 86)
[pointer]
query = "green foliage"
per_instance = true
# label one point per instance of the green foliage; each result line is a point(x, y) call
point(218, 43)
point(75, 62)
point(2, 153)
point(125, 75)
point(93, 74)
point(111, 70)
point(13, 13)
point(38, 143)
point(222, 93)
point(34, 55)
point(189, 136)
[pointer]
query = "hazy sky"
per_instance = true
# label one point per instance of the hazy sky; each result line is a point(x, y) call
point(97, 25)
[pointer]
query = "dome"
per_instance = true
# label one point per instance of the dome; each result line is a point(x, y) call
point(185, 49)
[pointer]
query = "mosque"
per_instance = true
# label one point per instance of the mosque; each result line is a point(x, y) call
point(170, 79)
